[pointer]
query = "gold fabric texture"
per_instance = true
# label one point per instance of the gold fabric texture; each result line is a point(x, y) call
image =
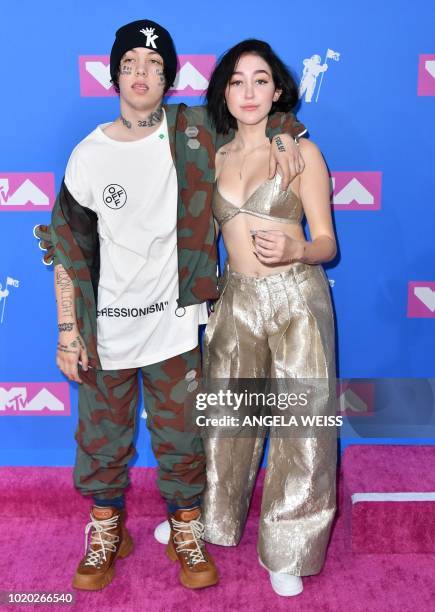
point(278, 326)
point(267, 202)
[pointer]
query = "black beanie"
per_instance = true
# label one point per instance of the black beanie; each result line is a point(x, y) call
point(148, 34)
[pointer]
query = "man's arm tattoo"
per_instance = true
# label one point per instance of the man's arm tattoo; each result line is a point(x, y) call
point(66, 288)
point(62, 327)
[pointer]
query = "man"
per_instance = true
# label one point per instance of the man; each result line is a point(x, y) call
point(133, 243)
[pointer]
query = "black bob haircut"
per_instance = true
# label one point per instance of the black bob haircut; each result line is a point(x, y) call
point(223, 72)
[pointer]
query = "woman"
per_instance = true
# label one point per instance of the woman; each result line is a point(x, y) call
point(273, 321)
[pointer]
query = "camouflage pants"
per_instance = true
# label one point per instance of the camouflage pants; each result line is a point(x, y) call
point(108, 402)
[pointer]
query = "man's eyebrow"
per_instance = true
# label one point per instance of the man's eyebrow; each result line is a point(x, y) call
point(134, 51)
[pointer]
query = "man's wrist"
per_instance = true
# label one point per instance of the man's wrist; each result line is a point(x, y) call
point(66, 326)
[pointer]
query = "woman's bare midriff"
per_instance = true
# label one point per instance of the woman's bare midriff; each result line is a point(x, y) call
point(240, 245)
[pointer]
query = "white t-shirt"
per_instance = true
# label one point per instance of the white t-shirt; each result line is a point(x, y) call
point(132, 187)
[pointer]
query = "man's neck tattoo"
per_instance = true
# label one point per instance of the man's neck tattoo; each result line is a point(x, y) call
point(150, 121)
point(126, 123)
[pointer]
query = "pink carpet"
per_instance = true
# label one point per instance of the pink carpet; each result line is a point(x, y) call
point(42, 538)
point(393, 493)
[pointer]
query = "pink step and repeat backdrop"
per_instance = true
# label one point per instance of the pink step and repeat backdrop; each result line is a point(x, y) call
point(367, 83)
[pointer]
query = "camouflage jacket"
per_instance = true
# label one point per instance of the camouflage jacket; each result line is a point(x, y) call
point(72, 238)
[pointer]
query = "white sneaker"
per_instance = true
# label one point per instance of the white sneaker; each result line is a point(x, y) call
point(286, 585)
point(162, 532)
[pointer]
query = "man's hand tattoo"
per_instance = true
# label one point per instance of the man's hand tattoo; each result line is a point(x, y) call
point(73, 347)
point(63, 348)
point(81, 343)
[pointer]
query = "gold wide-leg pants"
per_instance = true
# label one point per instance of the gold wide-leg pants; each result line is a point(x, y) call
point(279, 326)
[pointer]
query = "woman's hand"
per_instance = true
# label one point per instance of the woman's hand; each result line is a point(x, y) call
point(285, 155)
point(70, 350)
point(275, 247)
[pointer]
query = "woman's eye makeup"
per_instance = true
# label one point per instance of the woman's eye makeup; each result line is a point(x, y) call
point(258, 81)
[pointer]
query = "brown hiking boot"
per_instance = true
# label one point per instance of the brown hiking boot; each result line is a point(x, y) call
point(186, 546)
point(109, 540)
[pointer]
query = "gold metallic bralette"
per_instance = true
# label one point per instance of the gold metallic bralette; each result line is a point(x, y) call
point(267, 202)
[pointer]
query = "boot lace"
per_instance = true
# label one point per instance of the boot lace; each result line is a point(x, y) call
point(196, 529)
point(101, 539)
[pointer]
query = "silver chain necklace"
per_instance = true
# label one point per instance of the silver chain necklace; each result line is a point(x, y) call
point(246, 155)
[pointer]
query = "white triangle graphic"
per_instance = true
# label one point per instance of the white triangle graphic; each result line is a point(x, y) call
point(45, 399)
point(189, 76)
point(100, 72)
point(28, 192)
point(350, 402)
point(354, 190)
point(430, 67)
point(427, 296)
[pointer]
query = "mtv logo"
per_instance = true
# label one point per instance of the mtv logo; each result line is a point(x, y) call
point(191, 80)
point(24, 191)
point(355, 398)
point(421, 299)
point(426, 75)
point(34, 399)
point(94, 73)
point(193, 75)
point(356, 190)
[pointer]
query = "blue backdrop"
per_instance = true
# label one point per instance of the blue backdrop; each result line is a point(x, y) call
point(372, 113)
